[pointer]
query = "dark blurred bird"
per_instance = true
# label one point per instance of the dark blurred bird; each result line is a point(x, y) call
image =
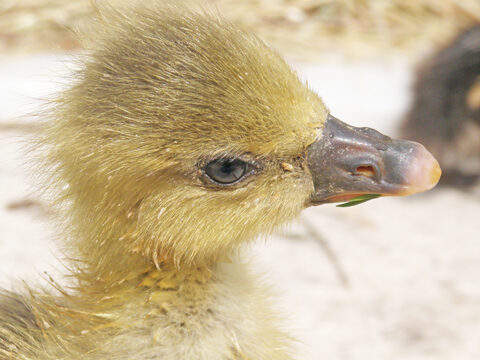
point(445, 115)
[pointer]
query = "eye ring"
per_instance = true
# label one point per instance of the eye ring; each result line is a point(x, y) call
point(227, 172)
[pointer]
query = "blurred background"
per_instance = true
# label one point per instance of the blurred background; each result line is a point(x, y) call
point(390, 279)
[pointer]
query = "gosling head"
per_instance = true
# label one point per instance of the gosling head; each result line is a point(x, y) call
point(185, 136)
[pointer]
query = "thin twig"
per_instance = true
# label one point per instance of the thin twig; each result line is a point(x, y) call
point(328, 251)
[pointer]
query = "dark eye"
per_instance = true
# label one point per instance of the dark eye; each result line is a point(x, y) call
point(226, 171)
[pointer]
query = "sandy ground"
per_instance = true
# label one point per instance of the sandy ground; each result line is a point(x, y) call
point(407, 282)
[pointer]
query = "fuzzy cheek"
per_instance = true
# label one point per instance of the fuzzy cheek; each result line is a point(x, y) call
point(291, 186)
point(197, 225)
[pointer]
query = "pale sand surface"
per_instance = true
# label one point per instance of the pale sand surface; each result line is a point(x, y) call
point(412, 265)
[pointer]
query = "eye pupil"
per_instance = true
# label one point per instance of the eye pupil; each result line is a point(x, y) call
point(226, 171)
point(227, 168)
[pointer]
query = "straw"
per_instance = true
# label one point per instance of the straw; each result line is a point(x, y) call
point(299, 29)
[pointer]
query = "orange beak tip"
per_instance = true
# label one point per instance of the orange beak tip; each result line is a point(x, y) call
point(425, 174)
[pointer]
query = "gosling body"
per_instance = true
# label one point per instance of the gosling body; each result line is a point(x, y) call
point(152, 280)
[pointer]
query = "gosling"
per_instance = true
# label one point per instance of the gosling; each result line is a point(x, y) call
point(181, 139)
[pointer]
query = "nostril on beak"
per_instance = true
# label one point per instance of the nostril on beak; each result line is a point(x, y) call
point(367, 171)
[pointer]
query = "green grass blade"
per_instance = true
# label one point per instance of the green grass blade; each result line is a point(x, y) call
point(359, 200)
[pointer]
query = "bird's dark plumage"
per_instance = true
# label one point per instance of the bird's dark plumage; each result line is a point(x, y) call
point(445, 115)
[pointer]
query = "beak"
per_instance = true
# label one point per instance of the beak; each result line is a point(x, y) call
point(347, 162)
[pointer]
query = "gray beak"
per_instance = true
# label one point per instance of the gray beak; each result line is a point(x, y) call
point(347, 162)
